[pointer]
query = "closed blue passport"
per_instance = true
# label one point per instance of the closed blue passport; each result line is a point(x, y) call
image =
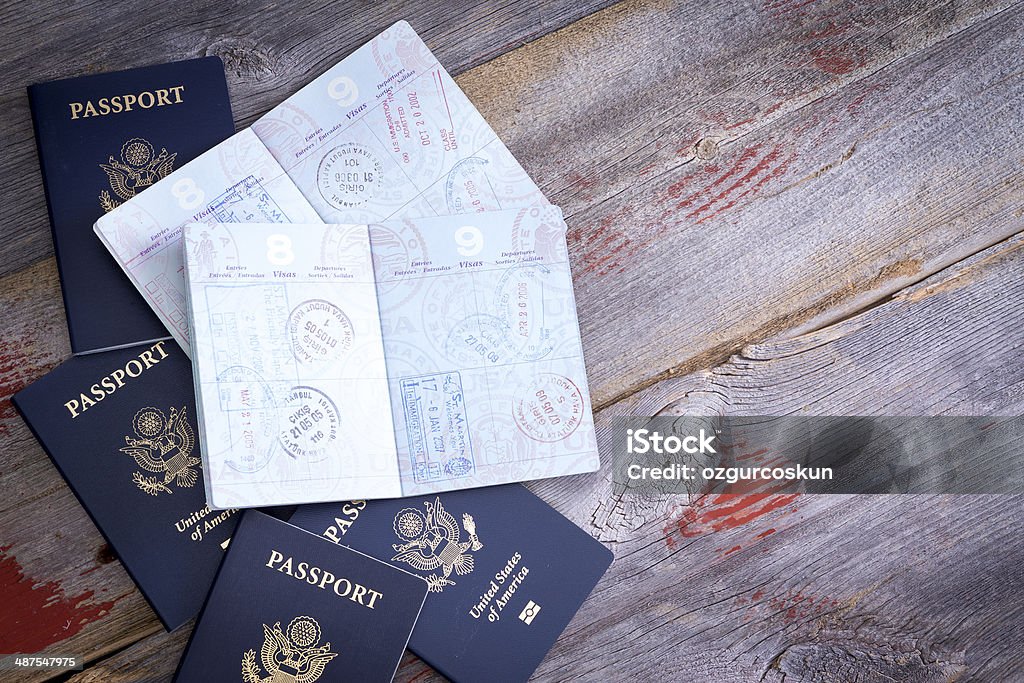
point(290, 607)
point(506, 572)
point(101, 140)
point(121, 428)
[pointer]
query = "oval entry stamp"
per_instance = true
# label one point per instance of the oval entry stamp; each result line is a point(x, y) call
point(309, 424)
point(519, 301)
point(549, 408)
point(349, 176)
point(467, 188)
point(319, 332)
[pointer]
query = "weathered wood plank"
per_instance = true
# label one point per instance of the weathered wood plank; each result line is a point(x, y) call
point(824, 588)
point(949, 345)
point(820, 589)
point(730, 171)
point(149, 660)
point(269, 49)
point(58, 578)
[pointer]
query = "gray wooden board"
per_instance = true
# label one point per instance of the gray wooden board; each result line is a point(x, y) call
point(950, 345)
point(861, 150)
point(269, 50)
point(850, 153)
point(756, 587)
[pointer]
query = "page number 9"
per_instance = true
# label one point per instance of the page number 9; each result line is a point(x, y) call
point(470, 240)
point(279, 250)
point(343, 90)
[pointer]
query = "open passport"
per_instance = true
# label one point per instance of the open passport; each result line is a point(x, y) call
point(384, 134)
point(395, 318)
point(400, 358)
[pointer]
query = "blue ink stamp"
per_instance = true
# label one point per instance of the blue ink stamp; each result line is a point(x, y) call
point(437, 427)
point(249, 419)
point(246, 202)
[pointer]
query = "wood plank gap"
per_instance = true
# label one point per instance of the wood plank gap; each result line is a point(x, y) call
point(722, 353)
point(70, 675)
point(961, 265)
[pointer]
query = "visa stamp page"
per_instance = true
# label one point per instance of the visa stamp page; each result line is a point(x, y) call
point(484, 359)
point(238, 181)
point(387, 133)
point(289, 365)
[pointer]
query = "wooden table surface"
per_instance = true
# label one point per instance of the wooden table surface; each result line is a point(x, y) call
point(777, 206)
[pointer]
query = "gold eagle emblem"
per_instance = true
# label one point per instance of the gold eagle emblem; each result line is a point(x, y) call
point(138, 168)
point(433, 542)
point(164, 446)
point(295, 656)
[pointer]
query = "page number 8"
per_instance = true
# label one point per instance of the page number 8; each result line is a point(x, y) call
point(470, 240)
point(279, 249)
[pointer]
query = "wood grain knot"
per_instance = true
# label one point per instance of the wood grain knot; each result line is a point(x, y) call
point(242, 57)
point(105, 554)
point(706, 148)
point(828, 662)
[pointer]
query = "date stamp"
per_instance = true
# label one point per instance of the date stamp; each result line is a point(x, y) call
point(309, 424)
point(480, 340)
point(349, 176)
point(437, 427)
point(468, 189)
point(251, 418)
point(549, 408)
point(319, 332)
point(519, 300)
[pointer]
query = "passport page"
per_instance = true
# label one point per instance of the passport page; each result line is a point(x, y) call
point(238, 181)
point(400, 358)
point(386, 133)
point(484, 359)
point(288, 364)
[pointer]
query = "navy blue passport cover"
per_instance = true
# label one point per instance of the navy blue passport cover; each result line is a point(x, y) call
point(93, 158)
point(506, 571)
point(288, 605)
point(120, 426)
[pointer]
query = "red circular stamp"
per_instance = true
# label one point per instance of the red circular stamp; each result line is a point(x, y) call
point(549, 408)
